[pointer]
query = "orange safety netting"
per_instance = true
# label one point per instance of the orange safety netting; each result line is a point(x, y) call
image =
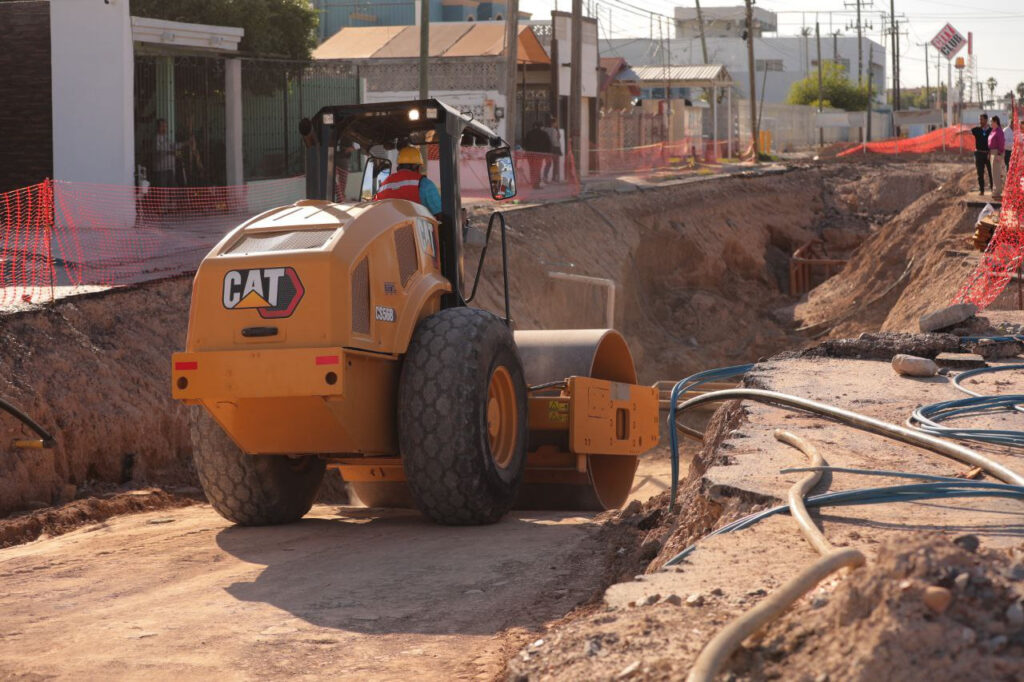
point(661, 155)
point(58, 237)
point(1005, 250)
point(953, 138)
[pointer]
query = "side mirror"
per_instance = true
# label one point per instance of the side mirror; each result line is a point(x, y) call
point(376, 170)
point(502, 173)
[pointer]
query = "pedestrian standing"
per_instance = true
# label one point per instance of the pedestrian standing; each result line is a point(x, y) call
point(1008, 136)
point(997, 149)
point(164, 156)
point(981, 160)
point(554, 159)
point(537, 145)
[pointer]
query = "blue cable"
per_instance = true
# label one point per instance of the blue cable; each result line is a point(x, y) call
point(680, 388)
point(981, 370)
point(912, 492)
point(926, 419)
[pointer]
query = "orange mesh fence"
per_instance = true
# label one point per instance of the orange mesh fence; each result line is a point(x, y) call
point(662, 155)
point(953, 138)
point(1005, 250)
point(26, 226)
point(59, 237)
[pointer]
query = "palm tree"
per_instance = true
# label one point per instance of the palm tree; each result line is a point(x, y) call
point(1020, 90)
point(992, 83)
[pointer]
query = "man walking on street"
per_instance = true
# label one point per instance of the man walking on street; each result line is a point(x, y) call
point(537, 145)
point(981, 161)
point(556, 150)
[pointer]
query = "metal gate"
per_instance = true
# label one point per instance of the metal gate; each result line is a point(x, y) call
point(276, 95)
point(188, 93)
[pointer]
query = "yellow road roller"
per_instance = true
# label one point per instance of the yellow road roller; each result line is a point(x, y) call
point(337, 332)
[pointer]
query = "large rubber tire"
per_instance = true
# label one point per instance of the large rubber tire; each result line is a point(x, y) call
point(443, 404)
point(251, 490)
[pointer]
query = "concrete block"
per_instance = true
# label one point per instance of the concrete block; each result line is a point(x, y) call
point(947, 317)
point(960, 360)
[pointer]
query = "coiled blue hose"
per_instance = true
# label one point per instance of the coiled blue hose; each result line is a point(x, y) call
point(688, 384)
point(926, 419)
point(912, 492)
point(981, 370)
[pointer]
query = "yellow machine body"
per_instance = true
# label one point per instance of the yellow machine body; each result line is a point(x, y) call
point(298, 324)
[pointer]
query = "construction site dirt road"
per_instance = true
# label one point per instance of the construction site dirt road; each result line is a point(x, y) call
point(355, 593)
point(347, 593)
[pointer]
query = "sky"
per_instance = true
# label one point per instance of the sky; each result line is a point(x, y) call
point(998, 27)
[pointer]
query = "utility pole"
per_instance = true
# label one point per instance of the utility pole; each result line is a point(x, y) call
point(700, 25)
point(424, 47)
point(835, 47)
point(576, 82)
point(871, 59)
point(895, 43)
point(860, 49)
point(817, 37)
point(512, 42)
point(753, 79)
point(896, 57)
point(927, 87)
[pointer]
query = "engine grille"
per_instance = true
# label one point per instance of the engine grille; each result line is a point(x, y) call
point(361, 298)
point(405, 248)
point(281, 241)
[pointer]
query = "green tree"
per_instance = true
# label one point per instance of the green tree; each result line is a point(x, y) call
point(1020, 91)
point(992, 83)
point(837, 90)
point(279, 28)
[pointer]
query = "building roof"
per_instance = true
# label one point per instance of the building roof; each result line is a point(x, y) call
point(695, 75)
point(447, 39)
point(612, 67)
point(178, 34)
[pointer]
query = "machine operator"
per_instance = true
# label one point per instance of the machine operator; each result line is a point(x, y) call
point(408, 182)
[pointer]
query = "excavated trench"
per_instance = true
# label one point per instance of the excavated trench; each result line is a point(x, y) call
point(700, 271)
point(701, 280)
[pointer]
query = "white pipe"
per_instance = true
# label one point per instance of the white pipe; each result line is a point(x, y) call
point(596, 281)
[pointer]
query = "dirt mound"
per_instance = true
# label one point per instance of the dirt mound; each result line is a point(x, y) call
point(28, 526)
point(875, 624)
point(915, 263)
point(95, 371)
point(699, 266)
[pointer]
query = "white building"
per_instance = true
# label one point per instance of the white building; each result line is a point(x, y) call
point(778, 62)
point(723, 22)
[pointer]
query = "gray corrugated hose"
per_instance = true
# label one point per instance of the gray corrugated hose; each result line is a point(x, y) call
point(723, 644)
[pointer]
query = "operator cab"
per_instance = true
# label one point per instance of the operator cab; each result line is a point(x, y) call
point(350, 149)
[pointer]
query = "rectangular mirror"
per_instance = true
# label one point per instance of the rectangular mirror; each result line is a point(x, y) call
point(502, 173)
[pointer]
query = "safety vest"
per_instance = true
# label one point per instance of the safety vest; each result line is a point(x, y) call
point(402, 184)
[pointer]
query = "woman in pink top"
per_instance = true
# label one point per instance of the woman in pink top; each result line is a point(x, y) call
point(996, 147)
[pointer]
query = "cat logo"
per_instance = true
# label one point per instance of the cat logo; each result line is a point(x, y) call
point(272, 292)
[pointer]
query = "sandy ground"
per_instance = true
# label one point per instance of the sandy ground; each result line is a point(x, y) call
point(347, 593)
point(352, 593)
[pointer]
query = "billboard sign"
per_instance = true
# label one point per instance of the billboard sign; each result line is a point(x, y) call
point(949, 41)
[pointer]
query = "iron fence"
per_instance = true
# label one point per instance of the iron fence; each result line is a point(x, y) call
point(276, 95)
point(188, 93)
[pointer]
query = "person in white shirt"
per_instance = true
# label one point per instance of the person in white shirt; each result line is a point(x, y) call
point(1008, 136)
